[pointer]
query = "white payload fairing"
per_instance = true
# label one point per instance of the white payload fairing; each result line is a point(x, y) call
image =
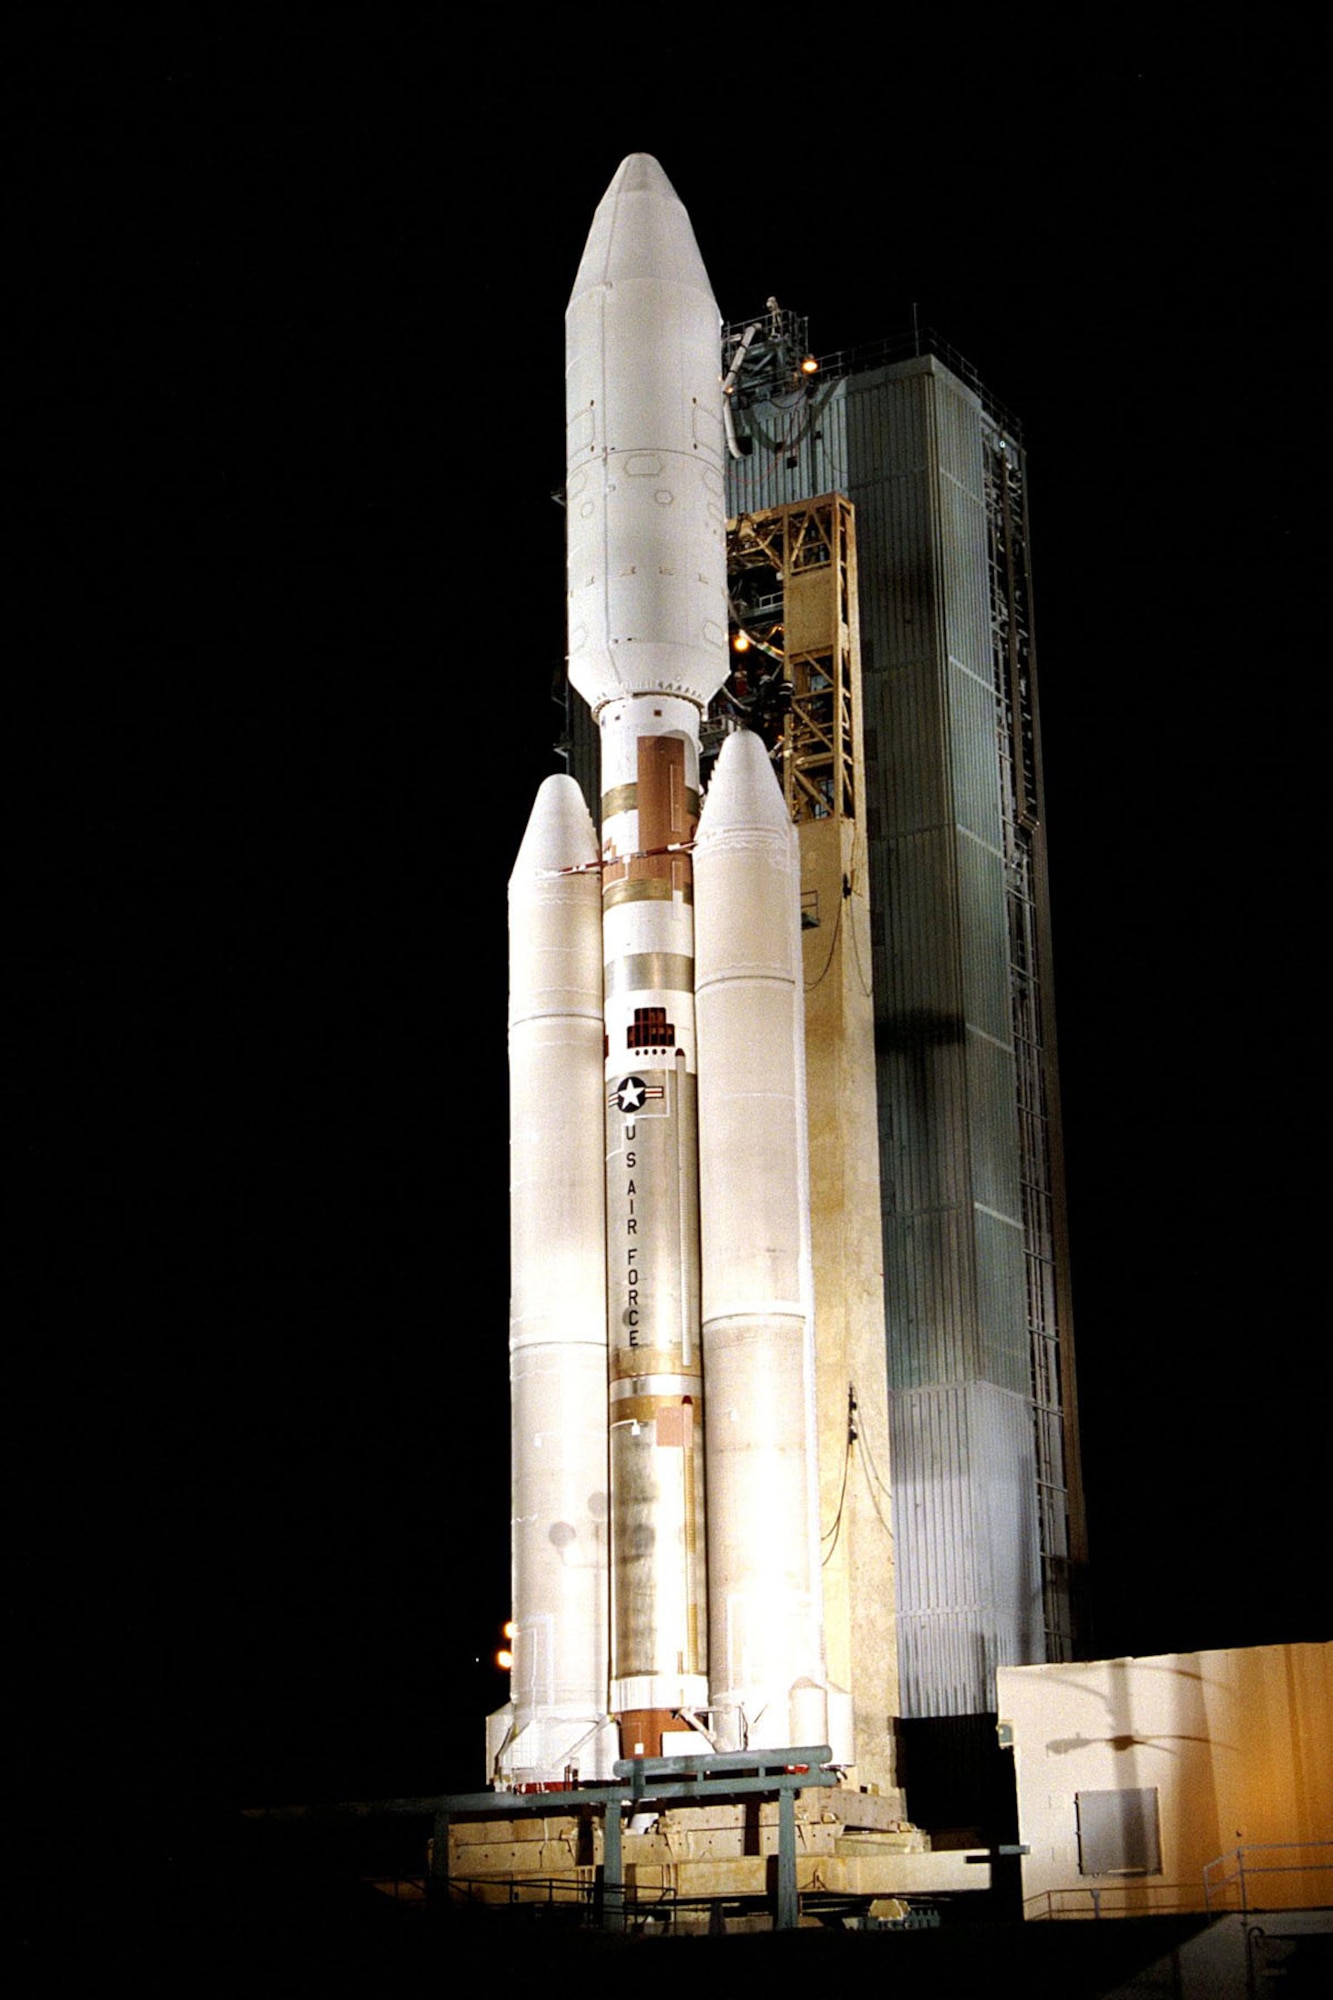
point(665, 1562)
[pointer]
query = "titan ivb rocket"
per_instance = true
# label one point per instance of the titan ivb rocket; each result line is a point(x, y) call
point(665, 1519)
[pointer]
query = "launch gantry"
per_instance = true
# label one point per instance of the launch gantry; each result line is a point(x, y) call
point(792, 585)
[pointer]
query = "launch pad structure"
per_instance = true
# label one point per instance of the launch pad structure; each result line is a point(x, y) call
point(721, 1842)
point(988, 1509)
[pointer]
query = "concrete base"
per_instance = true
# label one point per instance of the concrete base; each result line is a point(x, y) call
point(848, 1843)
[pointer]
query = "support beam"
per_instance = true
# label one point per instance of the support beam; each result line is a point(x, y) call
point(613, 1873)
point(788, 1911)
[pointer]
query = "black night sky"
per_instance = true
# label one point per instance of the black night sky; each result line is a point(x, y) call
point(295, 388)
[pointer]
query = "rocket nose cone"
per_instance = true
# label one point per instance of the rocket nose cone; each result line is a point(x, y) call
point(559, 832)
point(639, 173)
point(641, 231)
point(743, 791)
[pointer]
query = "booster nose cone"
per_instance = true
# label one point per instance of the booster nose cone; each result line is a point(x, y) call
point(559, 832)
point(744, 791)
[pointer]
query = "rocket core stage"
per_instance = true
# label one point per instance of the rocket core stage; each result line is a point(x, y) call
point(646, 1544)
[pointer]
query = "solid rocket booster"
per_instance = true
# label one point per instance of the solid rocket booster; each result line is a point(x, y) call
point(557, 1326)
point(647, 651)
point(606, 1062)
point(765, 1600)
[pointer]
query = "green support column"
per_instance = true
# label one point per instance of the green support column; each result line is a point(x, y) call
point(613, 1877)
point(788, 1908)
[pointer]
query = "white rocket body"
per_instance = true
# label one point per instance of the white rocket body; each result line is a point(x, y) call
point(647, 651)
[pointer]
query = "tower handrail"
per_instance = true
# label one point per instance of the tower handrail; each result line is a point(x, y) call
point(1219, 1876)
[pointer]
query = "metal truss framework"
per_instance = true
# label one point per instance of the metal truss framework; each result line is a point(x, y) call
point(792, 581)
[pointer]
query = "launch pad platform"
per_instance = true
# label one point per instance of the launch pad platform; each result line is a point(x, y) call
point(679, 1839)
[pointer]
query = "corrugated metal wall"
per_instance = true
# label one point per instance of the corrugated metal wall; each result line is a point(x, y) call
point(969, 1591)
point(905, 443)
